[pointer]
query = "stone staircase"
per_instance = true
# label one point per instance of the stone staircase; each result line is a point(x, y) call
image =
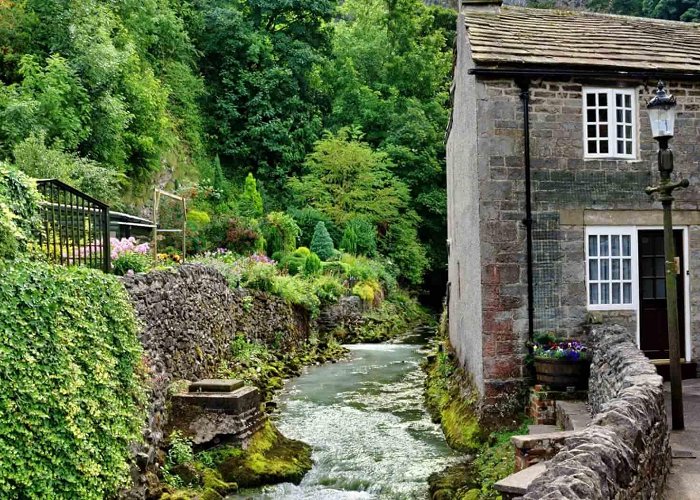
point(215, 411)
point(541, 443)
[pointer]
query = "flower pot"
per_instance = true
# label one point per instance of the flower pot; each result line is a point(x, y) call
point(563, 373)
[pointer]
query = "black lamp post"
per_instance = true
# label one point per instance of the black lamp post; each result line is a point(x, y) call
point(662, 113)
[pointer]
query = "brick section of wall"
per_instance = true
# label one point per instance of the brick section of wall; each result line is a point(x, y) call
point(543, 403)
point(561, 180)
point(625, 452)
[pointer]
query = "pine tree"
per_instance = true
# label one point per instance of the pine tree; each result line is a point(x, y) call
point(322, 243)
point(218, 181)
point(250, 204)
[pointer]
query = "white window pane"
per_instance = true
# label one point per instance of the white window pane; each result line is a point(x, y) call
point(604, 269)
point(593, 293)
point(628, 101)
point(604, 245)
point(603, 114)
point(615, 271)
point(603, 99)
point(627, 293)
point(626, 245)
point(628, 148)
point(590, 99)
point(604, 293)
point(615, 245)
point(615, 293)
point(604, 147)
point(593, 269)
point(618, 100)
point(592, 131)
point(627, 269)
point(593, 246)
point(592, 147)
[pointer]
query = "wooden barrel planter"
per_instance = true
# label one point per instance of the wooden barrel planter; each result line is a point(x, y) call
point(563, 373)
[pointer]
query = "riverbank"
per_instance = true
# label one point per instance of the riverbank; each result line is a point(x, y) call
point(369, 437)
point(450, 398)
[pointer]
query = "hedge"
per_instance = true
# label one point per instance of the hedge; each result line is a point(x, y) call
point(19, 212)
point(72, 399)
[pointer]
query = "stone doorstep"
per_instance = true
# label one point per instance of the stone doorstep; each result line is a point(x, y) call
point(215, 385)
point(517, 484)
point(530, 441)
point(239, 400)
point(535, 429)
point(572, 415)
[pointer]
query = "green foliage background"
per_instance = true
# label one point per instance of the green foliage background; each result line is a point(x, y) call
point(72, 399)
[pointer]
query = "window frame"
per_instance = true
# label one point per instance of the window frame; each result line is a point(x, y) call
point(611, 123)
point(630, 231)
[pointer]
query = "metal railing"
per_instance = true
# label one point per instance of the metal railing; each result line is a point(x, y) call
point(75, 226)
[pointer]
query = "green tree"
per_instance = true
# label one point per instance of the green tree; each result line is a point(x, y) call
point(360, 238)
point(259, 58)
point(322, 243)
point(250, 203)
point(390, 74)
point(345, 178)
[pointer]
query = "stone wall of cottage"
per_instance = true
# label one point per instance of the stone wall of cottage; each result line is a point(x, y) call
point(568, 194)
point(625, 452)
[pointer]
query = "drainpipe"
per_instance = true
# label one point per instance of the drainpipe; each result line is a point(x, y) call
point(524, 85)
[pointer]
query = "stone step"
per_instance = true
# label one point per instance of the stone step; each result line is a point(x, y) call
point(241, 399)
point(516, 484)
point(541, 429)
point(215, 385)
point(572, 415)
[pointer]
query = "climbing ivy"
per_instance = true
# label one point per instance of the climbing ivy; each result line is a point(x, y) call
point(19, 212)
point(72, 399)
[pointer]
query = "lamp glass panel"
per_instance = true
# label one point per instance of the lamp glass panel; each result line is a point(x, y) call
point(662, 120)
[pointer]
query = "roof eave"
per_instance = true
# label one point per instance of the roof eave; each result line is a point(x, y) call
point(573, 71)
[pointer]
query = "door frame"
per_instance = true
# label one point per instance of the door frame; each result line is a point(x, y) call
point(686, 286)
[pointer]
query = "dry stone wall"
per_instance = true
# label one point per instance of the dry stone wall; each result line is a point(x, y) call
point(189, 316)
point(625, 452)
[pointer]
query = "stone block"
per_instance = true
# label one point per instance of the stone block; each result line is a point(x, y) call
point(215, 385)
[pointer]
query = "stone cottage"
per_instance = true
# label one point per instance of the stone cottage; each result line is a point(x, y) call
point(548, 155)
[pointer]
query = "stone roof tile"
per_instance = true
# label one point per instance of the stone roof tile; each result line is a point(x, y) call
point(543, 37)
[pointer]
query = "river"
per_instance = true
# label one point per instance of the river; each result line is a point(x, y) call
point(365, 420)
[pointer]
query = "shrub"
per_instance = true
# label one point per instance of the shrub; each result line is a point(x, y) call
point(250, 204)
point(307, 218)
point(360, 238)
point(368, 290)
point(321, 243)
point(20, 222)
point(197, 222)
point(312, 265)
point(281, 233)
point(328, 289)
point(298, 291)
point(260, 276)
point(296, 261)
point(71, 403)
point(131, 261)
point(241, 236)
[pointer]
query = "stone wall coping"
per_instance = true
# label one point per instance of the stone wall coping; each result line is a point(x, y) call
point(527, 441)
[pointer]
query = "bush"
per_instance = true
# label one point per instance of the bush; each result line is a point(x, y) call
point(328, 289)
point(241, 235)
point(281, 233)
point(298, 291)
point(71, 402)
point(307, 219)
point(197, 223)
point(296, 261)
point(131, 261)
point(312, 265)
point(360, 238)
point(250, 204)
point(20, 222)
point(321, 243)
point(259, 276)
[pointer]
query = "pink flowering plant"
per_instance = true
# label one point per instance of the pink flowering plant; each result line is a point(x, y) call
point(570, 350)
point(124, 245)
point(129, 257)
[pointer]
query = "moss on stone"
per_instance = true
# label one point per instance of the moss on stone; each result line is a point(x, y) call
point(270, 458)
point(451, 398)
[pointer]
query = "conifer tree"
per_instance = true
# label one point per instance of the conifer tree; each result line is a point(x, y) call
point(250, 204)
point(322, 243)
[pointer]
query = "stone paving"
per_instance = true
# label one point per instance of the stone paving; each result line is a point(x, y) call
point(684, 481)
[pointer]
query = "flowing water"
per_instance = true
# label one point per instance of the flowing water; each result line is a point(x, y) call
point(365, 420)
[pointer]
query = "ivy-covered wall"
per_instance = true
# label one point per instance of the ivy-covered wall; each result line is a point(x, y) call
point(19, 212)
point(72, 400)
